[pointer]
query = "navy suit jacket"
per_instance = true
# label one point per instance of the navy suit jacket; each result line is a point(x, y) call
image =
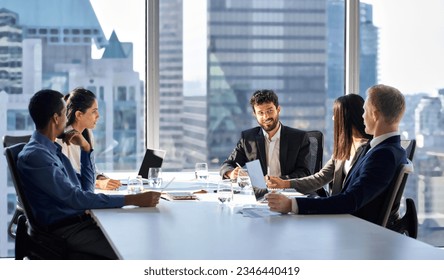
point(365, 188)
point(294, 151)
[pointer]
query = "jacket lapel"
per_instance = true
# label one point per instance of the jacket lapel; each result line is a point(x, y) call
point(283, 148)
point(260, 142)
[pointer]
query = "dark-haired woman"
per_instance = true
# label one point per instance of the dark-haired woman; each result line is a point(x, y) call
point(349, 140)
point(82, 115)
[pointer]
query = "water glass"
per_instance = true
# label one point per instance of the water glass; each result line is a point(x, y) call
point(225, 191)
point(201, 171)
point(243, 180)
point(155, 177)
point(135, 185)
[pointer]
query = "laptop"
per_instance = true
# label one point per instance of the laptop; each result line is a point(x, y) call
point(152, 158)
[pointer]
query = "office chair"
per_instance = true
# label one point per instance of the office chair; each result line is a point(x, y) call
point(316, 139)
point(9, 140)
point(395, 190)
point(408, 224)
point(31, 241)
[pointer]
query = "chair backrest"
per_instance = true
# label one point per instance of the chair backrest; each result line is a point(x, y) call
point(409, 147)
point(9, 140)
point(11, 154)
point(32, 241)
point(316, 139)
point(391, 204)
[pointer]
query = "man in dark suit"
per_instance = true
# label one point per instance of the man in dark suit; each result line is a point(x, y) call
point(366, 187)
point(283, 151)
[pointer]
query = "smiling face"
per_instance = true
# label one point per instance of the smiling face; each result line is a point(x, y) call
point(90, 117)
point(267, 116)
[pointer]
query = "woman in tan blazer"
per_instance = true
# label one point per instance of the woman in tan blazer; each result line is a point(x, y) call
point(349, 143)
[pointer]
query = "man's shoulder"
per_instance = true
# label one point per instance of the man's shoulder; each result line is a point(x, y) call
point(292, 130)
point(35, 152)
point(251, 131)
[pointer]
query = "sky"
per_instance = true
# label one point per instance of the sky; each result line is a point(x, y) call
point(411, 48)
point(411, 39)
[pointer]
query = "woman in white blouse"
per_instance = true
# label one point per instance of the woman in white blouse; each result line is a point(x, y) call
point(82, 115)
point(349, 142)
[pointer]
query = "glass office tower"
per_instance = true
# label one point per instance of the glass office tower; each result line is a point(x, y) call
point(261, 44)
point(171, 82)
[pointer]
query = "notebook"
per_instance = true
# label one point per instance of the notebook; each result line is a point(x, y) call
point(152, 158)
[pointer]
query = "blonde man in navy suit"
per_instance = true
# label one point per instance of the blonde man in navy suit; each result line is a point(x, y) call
point(366, 186)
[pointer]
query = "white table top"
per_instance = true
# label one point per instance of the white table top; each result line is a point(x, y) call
point(199, 230)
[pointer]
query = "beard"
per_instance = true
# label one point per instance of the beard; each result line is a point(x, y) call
point(269, 124)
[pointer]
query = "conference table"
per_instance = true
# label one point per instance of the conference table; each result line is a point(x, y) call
point(205, 229)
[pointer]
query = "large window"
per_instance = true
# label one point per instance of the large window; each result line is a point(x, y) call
point(213, 54)
point(93, 44)
point(409, 52)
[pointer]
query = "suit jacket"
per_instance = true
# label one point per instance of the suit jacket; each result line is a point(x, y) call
point(293, 154)
point(366, 186)
point(332, 173)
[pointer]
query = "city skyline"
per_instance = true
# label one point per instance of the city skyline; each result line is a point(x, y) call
point(391, 59)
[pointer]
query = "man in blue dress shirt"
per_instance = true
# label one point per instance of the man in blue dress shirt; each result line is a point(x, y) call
point(58, 196)
point(365, 188)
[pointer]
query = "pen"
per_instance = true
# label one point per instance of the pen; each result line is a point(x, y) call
point(167, 184)
point(238, 165)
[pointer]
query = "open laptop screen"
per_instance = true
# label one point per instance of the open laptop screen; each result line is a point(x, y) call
point(152, 158)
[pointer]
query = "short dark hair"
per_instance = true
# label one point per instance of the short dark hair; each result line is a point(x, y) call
point(43, 105)
point(264, 96)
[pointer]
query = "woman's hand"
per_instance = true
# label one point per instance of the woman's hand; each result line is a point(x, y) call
point(107, 184)
point(274, 182)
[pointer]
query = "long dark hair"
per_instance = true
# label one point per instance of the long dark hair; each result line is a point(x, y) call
point(79, 99)
point(347, 113)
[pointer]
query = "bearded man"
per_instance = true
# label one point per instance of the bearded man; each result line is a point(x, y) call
point(283, 151)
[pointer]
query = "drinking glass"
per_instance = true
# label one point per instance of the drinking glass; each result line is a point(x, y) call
point(243, 180)
point(155, 177)
point(201, 171)
point(225, 191)
point(135, 185)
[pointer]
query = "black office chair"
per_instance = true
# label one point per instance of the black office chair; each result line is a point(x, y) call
point(316, 139)
point(31, 241)
point(9, 140)
point(391, 206)
point(408, 224)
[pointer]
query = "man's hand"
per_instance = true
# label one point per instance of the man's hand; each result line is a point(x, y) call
point(233, 174)
point(107, 184)
point(279, 202)
point(143, 199)
point(274, 182)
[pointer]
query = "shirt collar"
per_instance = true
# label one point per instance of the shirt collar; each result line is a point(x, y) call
point(276, 136)
point(45, 141)
point(378, 140)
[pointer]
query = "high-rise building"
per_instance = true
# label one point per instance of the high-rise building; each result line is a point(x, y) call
point(258, 44)
point(10, 52)
point(56, 52)
point(171, 82)
point(335, 66)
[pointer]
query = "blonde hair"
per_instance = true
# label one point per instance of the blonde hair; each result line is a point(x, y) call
point(389, 101)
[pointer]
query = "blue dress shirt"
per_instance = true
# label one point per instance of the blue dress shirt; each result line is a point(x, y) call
point(55, 191)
